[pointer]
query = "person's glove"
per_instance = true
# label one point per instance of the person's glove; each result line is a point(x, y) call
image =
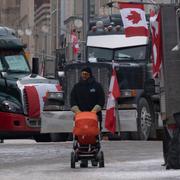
point(75, 109)
point(96, 108)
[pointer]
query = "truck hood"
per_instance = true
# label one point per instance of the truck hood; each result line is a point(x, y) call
point(15, 76)
point(33, 91)
point(115, 41)
point(25, 78)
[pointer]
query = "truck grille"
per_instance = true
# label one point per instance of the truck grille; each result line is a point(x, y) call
point(131, 77)
point(26, 104)
point(102, 73)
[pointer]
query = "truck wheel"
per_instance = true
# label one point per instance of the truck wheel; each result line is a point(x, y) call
point(58, 137)
point(145, 119)
point(42, 138)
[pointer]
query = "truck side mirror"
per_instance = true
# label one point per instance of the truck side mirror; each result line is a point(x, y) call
point(35, 65)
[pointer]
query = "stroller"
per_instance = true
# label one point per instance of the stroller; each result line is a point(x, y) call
point(86, 140)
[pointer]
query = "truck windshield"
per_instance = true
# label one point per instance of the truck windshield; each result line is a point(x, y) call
point(100, 54)
point(14, 63)
point(123, 54)
point(130, 53)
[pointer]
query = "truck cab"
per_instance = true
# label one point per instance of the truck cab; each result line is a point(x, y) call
point(132, 59)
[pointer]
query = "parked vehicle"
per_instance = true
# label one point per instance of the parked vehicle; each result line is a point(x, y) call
point(140, 104)
point(21, 91)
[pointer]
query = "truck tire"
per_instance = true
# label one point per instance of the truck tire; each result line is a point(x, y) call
point(145, 119)
point(58, 137)
point(42, 138)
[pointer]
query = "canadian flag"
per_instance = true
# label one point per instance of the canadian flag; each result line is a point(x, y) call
point(155, 24)
point(134, 19)
point(114, 93)
point(75, 44)
point(36, 96)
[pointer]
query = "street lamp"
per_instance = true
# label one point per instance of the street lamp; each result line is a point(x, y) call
point(26, 31)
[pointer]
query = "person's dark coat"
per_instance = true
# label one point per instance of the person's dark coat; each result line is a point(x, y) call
point(86, 94)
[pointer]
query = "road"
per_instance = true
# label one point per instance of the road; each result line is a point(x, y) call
point(126, 160)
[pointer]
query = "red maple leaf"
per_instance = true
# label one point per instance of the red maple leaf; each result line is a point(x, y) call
point(134, 16)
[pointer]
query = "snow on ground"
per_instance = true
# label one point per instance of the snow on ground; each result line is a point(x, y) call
point(51, 161)
point(139, 170)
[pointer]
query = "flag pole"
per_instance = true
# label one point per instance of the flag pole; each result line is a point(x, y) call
point(116, 108)
point(117, 117)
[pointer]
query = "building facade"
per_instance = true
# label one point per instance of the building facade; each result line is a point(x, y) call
point(46, 25)
point(19, 15)
point(42, 27)
point(26, 27)
point(10, 13)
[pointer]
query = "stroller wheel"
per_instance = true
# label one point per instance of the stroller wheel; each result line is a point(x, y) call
point(101, 159)
point(94, 162)
point(73, 160)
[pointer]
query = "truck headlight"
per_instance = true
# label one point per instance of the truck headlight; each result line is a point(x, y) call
point(55, 95)
point(128, 93)
point(9, 106)
point(54, 101)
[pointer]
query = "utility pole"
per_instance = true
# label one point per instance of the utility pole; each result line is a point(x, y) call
point(86, 7)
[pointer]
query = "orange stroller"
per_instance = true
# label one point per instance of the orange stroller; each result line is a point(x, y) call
point(86, 140)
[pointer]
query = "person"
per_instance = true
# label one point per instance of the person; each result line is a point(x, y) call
point(87, 95)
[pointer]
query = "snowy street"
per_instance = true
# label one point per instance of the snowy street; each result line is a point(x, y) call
point(25, 159)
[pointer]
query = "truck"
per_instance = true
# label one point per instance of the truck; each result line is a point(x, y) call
point(141, 105)
point(22, 90)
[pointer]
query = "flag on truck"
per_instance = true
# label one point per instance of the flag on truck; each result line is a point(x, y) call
point(134, 19)
point(75, 44)
point(114, 93)
point(155, 26)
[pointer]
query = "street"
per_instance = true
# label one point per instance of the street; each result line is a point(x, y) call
point(64, 62)
point(25, 159)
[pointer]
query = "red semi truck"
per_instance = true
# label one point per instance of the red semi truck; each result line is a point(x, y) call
point(22, 92)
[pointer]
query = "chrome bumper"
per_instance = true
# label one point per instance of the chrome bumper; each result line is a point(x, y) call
point(62, 121)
